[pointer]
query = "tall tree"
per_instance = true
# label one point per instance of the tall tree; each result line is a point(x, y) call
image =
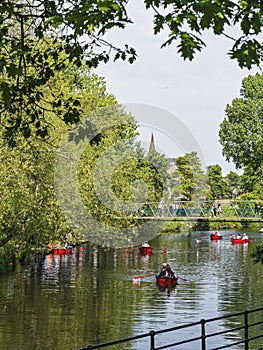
point(188, 180)
point(200, 178)
point(160, 163)
point(30, 214)
point(232, 180)
point(218, 186)
point(241, 132)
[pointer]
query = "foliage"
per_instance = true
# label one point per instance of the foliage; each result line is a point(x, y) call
point(251, 182)
point(232, 180)
point(160, 163)
point(188, 180)
point(200, 178)
point(108, 169)
point(185, 177)
point(26, 69)
point(30, 214)
point(218, 186)
point(185, 20)
point(178, 226)
point(241, 131)
point(115, 180)
point(249, 197)
point(78, 30)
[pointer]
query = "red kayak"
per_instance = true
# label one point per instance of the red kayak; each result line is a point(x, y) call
point(239, 240)
point(166, 281)
point(215, 237)
point(62, 251)
point(145, 250)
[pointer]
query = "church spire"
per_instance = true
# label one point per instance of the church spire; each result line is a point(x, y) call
point(152, 145)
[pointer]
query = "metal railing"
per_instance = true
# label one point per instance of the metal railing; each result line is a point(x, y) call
point(203, 337)
point(228, 209)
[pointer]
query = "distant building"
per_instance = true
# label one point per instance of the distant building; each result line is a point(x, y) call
point(152, 145)
point(172, 165)
point(172, 161)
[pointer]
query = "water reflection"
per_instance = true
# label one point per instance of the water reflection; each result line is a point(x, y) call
point(168, 291)
point(145, 260)
point(88, 297)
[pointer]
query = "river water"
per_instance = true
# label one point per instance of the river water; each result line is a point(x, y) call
point(69, 301)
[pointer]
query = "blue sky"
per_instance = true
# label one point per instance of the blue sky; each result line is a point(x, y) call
point(195, 92)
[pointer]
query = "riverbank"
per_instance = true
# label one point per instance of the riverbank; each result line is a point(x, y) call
point(208, 224)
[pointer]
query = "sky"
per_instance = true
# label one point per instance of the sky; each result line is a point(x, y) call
point(196, 92)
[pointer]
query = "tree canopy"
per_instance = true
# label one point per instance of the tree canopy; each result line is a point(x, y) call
point(240, 132)
point(82, 24)
point(34, 34)
point(218, 186)
point(188, 181)
point(251, 182)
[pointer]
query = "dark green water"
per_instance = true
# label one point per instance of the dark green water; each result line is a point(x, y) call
point(67, 302)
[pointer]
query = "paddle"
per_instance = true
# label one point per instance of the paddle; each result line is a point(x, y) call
point(183, 279)
point(162, 249)
point(131, 248)
point(152, 274)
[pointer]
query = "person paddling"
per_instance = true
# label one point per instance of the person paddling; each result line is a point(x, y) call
point(245, 236)
point(166, 271)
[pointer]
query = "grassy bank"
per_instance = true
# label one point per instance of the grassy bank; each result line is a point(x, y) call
point(207, 225)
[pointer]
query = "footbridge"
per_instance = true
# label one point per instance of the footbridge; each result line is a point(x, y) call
point(218, 211)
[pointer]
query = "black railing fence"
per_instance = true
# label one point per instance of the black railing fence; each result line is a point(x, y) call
point(240, 329)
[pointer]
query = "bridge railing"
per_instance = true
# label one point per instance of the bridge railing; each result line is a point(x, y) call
point(234, 208)
point(241, 328)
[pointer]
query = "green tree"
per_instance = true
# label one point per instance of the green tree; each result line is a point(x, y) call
point(240, 132)
point(218, 187)
point(185, 21)
point(232, 180)
point(251, 182)
point(78, 29)
point(200, 178)
point(188, 180)
point(30, 213)
point(183, 179)
point(25, 73)
point(160, 163)
point(242, 139)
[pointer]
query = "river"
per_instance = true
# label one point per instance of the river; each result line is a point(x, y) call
point(66, 302)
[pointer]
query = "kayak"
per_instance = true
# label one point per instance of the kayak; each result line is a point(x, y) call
point(215, 237)
point(239, 240)
point(62, 251)
point(166, 281)
point(145, 250)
